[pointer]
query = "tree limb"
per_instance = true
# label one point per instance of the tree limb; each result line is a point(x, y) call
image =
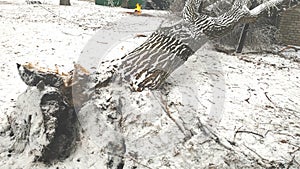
point(265, 6)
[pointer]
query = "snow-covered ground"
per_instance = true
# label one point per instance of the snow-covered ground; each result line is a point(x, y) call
point(30, 33)
point(248, 104)
point(47, 34)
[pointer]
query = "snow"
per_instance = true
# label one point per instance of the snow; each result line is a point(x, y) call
point(249, 100)
point(39, 34)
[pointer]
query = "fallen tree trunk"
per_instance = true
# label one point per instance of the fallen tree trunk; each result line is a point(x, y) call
point(169, 47)
point(150, 64)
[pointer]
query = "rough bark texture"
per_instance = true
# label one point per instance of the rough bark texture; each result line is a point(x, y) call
point(169, 47)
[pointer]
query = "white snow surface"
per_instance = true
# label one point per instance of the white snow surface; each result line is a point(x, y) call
point(249, 100)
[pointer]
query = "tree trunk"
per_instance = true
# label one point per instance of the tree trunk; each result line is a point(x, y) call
point(242, 38)
point(244, 32)
point(169, 47)
point(64, 2)
point(124, 4)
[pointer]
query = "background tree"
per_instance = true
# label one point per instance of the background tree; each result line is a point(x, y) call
point(64, 2)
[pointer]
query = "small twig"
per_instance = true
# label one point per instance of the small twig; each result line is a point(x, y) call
point(295, 112)
point(296, 162)
point(66, 33)
point(255, 153)
point(201, 126)
point(249, 91)
point(140, 35)
point(236, 133)
point(290, 163)
point(205, 141)
point(266, 94)
point(212, 135)
point(249, 132)
point(295, 145)
point(289, 47)
point(166, 109)
point(267, 132)
point(102, 42)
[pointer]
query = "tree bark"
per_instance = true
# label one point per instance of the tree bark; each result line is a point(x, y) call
point(242, 38)
point(64, 2)
point(244, 32)
point(169, 47)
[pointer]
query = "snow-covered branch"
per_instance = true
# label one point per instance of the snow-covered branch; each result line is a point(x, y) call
point(265, 6)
